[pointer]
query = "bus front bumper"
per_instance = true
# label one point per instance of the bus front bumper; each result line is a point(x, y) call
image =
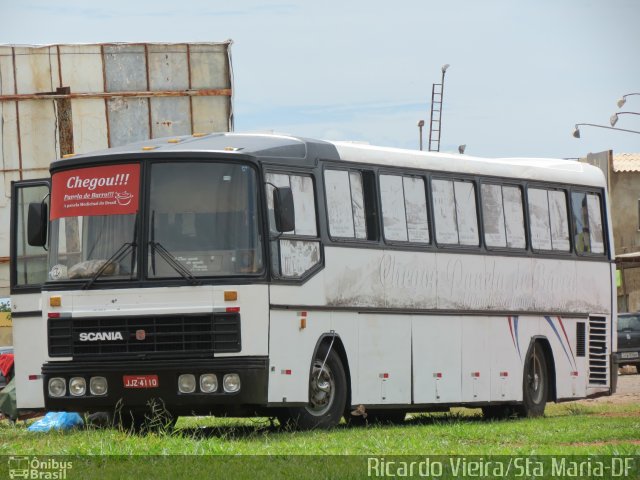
point(134, 383)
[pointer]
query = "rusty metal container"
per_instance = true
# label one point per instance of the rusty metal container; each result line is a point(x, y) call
point(61, 99)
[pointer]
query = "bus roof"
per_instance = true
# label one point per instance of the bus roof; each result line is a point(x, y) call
point(275, 148)
point(535, 169)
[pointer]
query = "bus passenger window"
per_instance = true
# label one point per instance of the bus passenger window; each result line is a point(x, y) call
point(394, 216)
point(539, 219)
point(404, 209)
point(595, 223)
point(503, 216)
point(587, 223)
point(466, 213)
point(303, 199)
point(548, 219)
point(346, 207)
point(454, 205)
point(559, 221)
point(292, 256)
point(514, 217)
point(357, 204)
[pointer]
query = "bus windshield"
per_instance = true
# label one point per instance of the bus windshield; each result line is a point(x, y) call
point(83, 246)
point(203, 217)
point(201, 221)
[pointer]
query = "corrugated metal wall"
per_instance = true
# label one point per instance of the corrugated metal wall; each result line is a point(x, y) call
point(58, 99)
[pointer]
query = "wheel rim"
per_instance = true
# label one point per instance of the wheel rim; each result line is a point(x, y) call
point(322, 389)
point(535, 377)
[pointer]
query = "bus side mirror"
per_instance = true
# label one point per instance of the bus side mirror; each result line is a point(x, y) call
point(37, 222)
point(283, 209)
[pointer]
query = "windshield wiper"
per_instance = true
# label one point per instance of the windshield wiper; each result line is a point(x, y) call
point(168, 257)
point(113, 259)
point(117, 256)
point(176, 264)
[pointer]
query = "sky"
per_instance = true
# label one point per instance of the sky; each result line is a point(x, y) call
point(522, 72)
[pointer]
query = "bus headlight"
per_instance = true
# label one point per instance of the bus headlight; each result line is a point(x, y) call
point(57, 387)
point(77, 386)
point(231, 382)
point(98, 386)
point(208, 382)
point(187, 383)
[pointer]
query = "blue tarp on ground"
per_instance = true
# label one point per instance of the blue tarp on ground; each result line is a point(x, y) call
point(57, 421)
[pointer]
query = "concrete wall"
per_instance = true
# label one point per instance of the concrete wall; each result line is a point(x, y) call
point(624, 194)
point(117, 93)
point(5, 329)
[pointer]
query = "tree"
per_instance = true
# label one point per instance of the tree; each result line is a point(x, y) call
point(5, 306)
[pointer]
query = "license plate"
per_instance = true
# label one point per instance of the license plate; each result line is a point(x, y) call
point(629, 355)
point(140, 381)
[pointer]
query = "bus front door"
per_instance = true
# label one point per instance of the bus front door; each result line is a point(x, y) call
point(28, 267)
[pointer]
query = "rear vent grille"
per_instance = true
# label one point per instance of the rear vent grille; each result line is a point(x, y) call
point(598, 354)
point(581, 339)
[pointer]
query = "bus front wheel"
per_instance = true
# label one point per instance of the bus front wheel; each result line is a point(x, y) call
point(327, 394)
point(535, 383)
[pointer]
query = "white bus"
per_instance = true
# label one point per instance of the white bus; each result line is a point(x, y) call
point(233, 274)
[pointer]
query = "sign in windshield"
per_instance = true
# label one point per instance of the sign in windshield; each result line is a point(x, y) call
point(105, 190)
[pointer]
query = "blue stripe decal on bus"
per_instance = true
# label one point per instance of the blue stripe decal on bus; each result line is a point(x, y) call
point(513, 324)
point(555, 330)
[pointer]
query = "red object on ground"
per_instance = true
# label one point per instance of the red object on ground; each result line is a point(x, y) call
point(6, 362)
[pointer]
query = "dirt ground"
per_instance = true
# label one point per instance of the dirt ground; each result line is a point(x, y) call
point(628, 390)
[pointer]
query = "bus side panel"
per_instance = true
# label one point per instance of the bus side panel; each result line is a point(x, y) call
point(378, 358)
point(30, 350)
point(506, 359)
point(437, 359)
point(476, 362)
point(384, 376)
point(594, 288)
point(461, 282)
point(571, 371)
point(290, 353)
point(253, 301)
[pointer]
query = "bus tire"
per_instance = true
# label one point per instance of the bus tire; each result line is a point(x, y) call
point(327, 395)
point(535, 383)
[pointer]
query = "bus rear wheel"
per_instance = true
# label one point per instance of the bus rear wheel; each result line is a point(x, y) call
point(535, 383)
point(327, 395)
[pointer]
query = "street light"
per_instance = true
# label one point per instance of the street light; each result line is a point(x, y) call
point(576, 130)
point(614, 118)
point(420, 125)
point(623, 99)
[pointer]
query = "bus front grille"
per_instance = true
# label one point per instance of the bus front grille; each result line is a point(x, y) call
point(148, 336)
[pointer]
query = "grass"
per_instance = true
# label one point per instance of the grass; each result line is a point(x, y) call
point(255, 448)
point(575, 429)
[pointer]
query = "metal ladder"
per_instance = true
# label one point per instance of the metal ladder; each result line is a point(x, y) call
point(436, 116)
